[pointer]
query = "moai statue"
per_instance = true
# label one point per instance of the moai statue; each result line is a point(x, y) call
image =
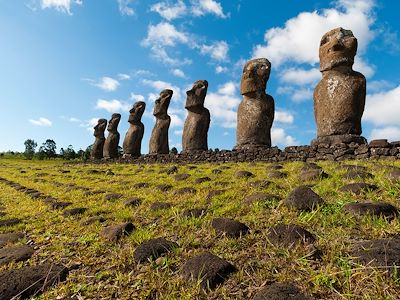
point(339, 98)
point(97, 148)
point(134, 135)
point(110, 149)
point(159, 135)
point(256, 112)
point(197, 122)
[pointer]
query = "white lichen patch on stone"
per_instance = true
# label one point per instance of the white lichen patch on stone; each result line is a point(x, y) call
point(332, 85)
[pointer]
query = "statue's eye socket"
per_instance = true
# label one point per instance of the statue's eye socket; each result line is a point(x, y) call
point(324, 41)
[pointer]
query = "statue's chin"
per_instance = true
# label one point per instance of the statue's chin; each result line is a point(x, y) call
point(342, 61)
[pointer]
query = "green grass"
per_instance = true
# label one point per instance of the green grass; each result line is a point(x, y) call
point(104, 271)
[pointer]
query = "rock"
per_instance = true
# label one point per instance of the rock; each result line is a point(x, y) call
point(11, 237)
point(358, 188)
point(229, 227)
point(115, 232)
point(213, 193)
point(133, 202)
point(59, 204)
point(383, 253)
point(353, 168)
point(109, 172)
point(303, 198)
point(243, 174)
point(211, 269)
point(354, 174)
point(110, 149)
point(152, 249)
point(380, 209)
point(289, 235)
point(277, 174)
point(164, 187)
point(275, 167)
point(160, 205)
point(94, 219)
point(382, 143)
point(141, 185)
point(15, 254)
point(261, 197)
point(201, 180)
point(216, 171)
point(339, 98)
point(394, 174)
point(194, 212)
point(9, 222)
point(195, 129)
point(281, 291)
point(172, 170)
point(312, 174)
point(181, 177)
point(133, 138)
point(112, 196)
point(256, 111)
point(74, 211)
point(259, 183)
point(159, 136)
point(30, 280)
point(97, 148)
point(185, 190)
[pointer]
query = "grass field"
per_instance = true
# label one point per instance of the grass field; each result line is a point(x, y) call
point(100, 269)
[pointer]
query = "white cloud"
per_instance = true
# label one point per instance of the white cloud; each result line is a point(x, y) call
point(298, 41)
point(218, 50)
point(74, 120)
point(392, 133)
point(63, 6)
point(220, 69)
point(105, 83)
point(279, 137)
point(178, 132)
point(379, 85)
point(160, 85)
point(202, 7)
point(41, 122)
point(300, 76)
point(176, 121)
point(361, 66)
point(164, 34)
point(137, 97)
point(383, 108)
point(169, 11)
point(284, 117)
point(178, 73)
point(297, 94)
point(122, 76)
point(112, 106)
point(124, 8)
point(223, 105)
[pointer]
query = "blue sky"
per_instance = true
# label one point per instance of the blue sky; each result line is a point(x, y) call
point(66, 63)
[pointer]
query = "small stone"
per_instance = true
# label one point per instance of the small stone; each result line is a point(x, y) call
point(277, 174)
point(194, 212)
point(181, 177)
point(281, 291)
point(261, 197)
point(259, 183)
point(213, 193)
point(354, 174)
point(211, 269)
point(133, 202)
point(115, 232)
point(160, 205)
point(59, 205)
point(30, 280)
point(10, 237)
point(141, 185)
point(216, 171)
point(289, 235)
point(112, 196)
point(303, 198)
point(358, 188)
point(9, 222)
point(185, 190)
point(243, 174)
point(394, 174)
point(74, 211)
point(172, 170)
point(94, 219)
point(153, 249)
point(164, 187)
point(382, 143)
point(380, 209)
point(312, 174)
point(15, 254)
point(229, 227)
point(202, 179)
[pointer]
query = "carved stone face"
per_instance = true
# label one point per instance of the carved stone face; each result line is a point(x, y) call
point(338, 48)
point(113, 123)
point(136, 113)
point(255, 75)
point(100, 127)
point(196, 95)
point(162, 103)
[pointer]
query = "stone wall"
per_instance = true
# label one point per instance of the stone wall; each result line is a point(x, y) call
point(376, 149)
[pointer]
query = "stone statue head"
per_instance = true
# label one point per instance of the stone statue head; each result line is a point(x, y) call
point(100, 127)
point(197, 94)
point(113, 123)
point(136, 113)
point(337, 48)
point(255, 75)
point(162, 103)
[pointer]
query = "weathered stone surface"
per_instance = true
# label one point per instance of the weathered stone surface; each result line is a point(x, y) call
point(172, 170)
point(152, 249)
point(113, 196)
point(10, 222)
point(339, 98)
point(277, 174)
point(281, 291)
point(358, 188)
point(181, 177)
point(394, 174)
point(115, 232)
point(185, 190)
point(164, 187)
point(97, 148)
point(213, 193)
point(110, 149)
point(31, 280)
point(289, 235)
point(201, 180)
point(243, 174)
point(312, 174)
point(194, 212)
point(255, 114)
point(382, 143)
point(133, 202)
point(160, 205)
point(74, 211)
point(10, 237)
point(141, 185)
point(261, 197)
point(195, 130)
point(380, 209)
point(133, 137)
point(159, 136)
point(15, 254)
point(303, 198)
point(210, 269)
point(94, 219)
point(231, 228)
point(384, 253)
point(259, 183)
point(354, 174)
